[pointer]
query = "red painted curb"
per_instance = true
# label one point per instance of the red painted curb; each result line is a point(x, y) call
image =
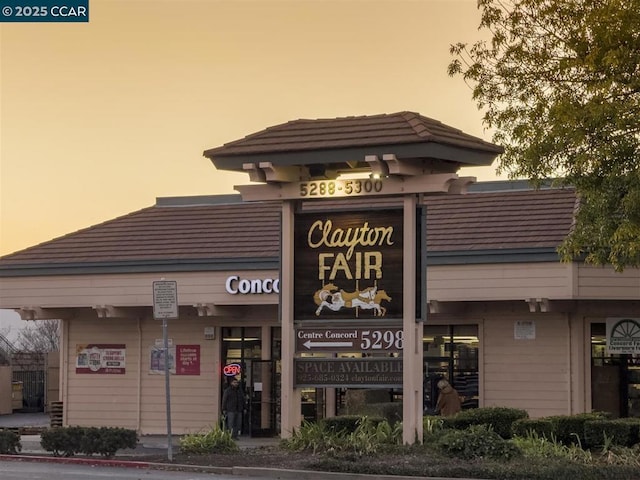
point(98, 462)
point(85, 461)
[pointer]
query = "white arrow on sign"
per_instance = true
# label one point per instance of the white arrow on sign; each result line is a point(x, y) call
point(309, 344)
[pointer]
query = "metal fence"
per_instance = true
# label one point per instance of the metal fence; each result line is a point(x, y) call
point(33, 388)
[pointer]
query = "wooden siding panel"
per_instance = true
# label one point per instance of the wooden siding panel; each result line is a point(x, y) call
point(604, 283)
point(498, 282)
point(530, 374)
point(115, 400)
point(126, 290)
point(102, 399)
point(194, 398)
point(549, 394)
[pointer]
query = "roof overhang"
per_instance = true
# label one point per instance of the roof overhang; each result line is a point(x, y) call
point(428, 156)
point(301, 150)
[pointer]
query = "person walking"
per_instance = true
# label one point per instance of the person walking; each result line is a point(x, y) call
point(233, 408)
point(449, 402)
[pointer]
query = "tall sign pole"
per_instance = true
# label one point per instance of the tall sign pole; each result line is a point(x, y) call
point(412, 355)
point(290, 395)
point(165, 307)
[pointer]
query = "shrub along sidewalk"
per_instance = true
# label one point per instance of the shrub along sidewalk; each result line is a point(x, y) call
point(488, 443)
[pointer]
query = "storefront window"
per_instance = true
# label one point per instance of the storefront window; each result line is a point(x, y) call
point(615, 378)
point(451, 352)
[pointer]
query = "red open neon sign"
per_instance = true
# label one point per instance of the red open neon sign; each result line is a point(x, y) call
point(232, 369)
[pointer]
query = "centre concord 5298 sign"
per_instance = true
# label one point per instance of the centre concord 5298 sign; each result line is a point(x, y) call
point(374, 339)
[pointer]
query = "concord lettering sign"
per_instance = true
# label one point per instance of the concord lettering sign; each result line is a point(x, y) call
point(236, 285)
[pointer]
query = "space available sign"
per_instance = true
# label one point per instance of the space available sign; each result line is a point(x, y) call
point(623, 335)
point(348, 265)
point(348, 372)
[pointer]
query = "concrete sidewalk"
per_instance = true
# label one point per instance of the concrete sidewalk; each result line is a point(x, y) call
point(147, 444)
point(17, 420)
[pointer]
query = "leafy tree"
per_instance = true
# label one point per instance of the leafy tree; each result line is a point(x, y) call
point(41, 336)
point(559, 83)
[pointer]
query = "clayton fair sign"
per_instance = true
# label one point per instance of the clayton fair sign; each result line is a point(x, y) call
point(348, 265)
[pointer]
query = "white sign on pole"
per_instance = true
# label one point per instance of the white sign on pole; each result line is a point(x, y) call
point(165, 306)
point(165, 299)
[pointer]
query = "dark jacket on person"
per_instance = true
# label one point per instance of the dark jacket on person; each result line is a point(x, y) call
point(448, 401)
point(233, 399)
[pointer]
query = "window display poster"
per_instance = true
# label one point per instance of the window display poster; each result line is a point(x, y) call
point(183, 360)
point(188, 359)
point(157, 358)
point(100, 358)
point(623, 335)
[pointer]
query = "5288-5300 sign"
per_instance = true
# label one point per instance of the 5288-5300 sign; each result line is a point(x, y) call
point(340, 188)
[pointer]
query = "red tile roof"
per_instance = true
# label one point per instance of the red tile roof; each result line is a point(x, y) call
point(384, 129)
point(244, 231)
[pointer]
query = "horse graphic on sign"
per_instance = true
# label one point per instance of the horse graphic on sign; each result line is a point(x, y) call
point(335, 299)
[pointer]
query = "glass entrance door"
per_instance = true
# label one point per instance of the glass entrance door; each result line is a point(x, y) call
point(259, 379)
point(264, 398)
point(615, 378)
point(451, 352)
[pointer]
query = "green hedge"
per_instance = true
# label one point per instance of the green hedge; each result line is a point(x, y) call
point(542, 427)
point(569, 429)
point(215, 440)
point(499, 418)
point(348, 423)
point(478, 441)
point(9, 442)
point(390, 411)
point(106, 441)
point(624, 432)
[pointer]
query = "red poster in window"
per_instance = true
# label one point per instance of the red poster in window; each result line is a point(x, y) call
point(187, 359)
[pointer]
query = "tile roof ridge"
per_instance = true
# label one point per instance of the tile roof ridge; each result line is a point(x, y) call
point(420, 125)
point(347, 117)
point(416, 122)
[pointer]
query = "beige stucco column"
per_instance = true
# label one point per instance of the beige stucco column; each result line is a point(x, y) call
point(290, 408)
point(412, 345)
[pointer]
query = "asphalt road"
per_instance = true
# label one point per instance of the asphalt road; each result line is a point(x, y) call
point(55, 471)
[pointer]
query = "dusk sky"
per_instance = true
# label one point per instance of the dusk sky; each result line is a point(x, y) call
point(100, 118)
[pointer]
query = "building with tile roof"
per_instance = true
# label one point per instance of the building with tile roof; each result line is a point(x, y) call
point(505, 320)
